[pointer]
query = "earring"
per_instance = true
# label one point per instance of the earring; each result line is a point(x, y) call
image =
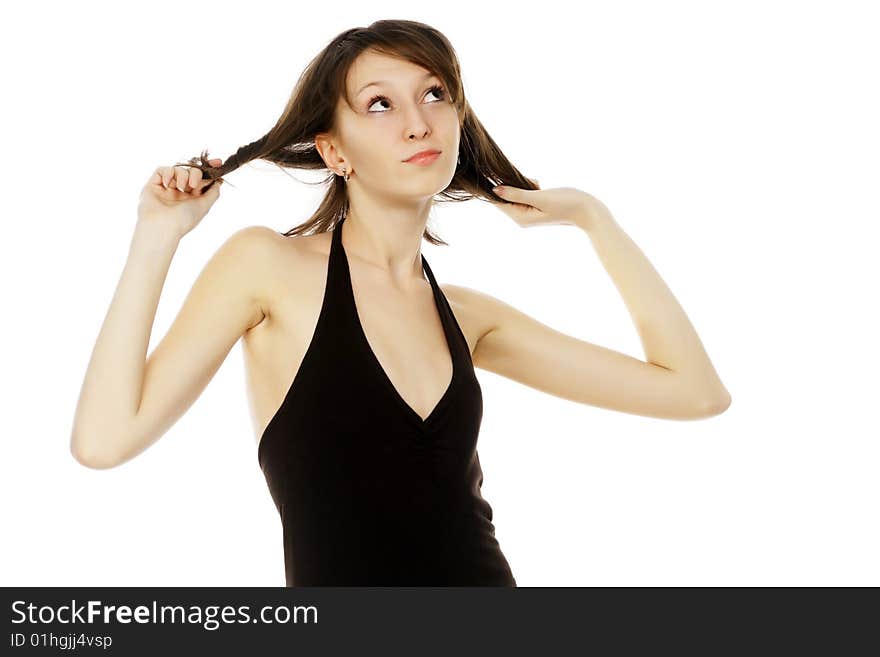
point(459, 158)
point(345, 174)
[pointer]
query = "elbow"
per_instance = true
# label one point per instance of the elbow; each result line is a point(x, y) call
point(716, 405)
point(90, 456)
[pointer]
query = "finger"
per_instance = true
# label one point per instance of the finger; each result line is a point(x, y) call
point(504, 192)
point(181, 177)
point(214, 163)
point(516, 194)
point(166, 174)
point(169, 178)
point(195, 175)
point(200, 180)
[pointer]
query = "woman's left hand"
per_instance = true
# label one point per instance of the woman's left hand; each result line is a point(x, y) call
point(559, 205)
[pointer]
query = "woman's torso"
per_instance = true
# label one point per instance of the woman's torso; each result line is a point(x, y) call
point(370, 452)
point(274, 348)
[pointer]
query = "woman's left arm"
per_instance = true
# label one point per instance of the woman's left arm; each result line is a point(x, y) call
point(678, 379)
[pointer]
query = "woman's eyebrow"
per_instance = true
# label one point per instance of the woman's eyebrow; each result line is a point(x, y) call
point(378, 82)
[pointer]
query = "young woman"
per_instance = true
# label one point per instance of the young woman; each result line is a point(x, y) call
point(360, 365)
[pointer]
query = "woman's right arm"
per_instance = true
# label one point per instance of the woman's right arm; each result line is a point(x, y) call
point(127, 401)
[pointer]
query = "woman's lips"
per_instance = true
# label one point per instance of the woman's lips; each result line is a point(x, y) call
point(423, 159)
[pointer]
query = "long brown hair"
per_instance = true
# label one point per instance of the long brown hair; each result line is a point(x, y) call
point(311, 110)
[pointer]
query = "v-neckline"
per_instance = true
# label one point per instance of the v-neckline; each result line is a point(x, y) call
point(422, 423)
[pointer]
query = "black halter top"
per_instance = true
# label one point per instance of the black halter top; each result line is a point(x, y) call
point(369, 493)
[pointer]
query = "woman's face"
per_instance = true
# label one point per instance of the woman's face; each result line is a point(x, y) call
point(407, 110)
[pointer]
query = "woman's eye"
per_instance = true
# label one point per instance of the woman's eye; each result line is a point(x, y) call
point(436, 89)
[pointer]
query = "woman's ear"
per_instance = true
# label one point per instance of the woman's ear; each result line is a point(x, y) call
point(325, 148)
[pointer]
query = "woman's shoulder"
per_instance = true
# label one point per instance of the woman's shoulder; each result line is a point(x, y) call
point(281, 266)
point(472, 309)
point(265, 242)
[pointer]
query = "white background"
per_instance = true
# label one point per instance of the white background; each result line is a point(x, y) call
point(736, 143)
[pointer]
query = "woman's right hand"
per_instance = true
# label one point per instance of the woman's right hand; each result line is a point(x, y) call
point(174, 198)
